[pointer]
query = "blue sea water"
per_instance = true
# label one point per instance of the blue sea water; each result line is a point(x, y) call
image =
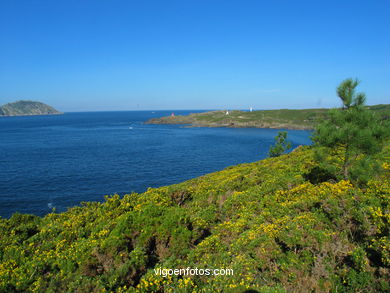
point(61, 160)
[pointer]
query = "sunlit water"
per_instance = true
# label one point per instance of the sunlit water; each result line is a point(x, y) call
point(58, 161)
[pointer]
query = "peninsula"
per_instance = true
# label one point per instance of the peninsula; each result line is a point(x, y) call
point(280, 119)
point(27, 108)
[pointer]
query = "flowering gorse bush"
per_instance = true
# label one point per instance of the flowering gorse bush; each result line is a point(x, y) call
point(277, 231)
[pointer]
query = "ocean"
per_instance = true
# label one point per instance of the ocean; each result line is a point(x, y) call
point(59, 161)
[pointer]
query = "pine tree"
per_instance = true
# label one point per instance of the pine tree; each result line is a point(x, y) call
point(281, 145)
point(350, 137)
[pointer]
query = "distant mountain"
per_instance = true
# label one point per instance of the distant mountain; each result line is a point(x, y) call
point(24, 108)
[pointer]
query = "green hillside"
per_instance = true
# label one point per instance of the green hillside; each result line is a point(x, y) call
point(22, 108)
point(284, 118)
point(264, 220)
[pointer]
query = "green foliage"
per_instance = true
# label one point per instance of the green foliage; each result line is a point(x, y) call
point(281, 145)
point(317, 175)
point(350, 138)
point(347, 93)
point(283, 224)
point(278, 231)
point(279, 119)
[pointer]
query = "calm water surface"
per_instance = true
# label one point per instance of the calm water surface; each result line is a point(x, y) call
point(59, 161)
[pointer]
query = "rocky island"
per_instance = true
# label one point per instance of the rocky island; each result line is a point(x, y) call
point(279, 119)
point(313, 220)
point(26, 108)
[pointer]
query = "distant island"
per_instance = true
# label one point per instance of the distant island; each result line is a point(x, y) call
point(26, 108)
point(279, 119)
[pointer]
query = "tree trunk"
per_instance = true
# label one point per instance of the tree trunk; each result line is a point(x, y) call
point(346, 163)
point(345, 171)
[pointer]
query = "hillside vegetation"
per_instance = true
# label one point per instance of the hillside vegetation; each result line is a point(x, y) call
point(284, 118)
point(22, 108)
point(278, 232)
point(314, 220)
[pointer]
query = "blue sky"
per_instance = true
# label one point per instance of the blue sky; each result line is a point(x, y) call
point(136, 55)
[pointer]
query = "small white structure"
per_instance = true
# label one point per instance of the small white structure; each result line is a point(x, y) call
point(227, 112)
point(250, 109)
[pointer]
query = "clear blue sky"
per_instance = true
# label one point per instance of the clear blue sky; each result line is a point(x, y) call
point(126, 55)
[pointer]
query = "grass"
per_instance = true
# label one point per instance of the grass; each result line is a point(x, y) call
point(283, 118)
